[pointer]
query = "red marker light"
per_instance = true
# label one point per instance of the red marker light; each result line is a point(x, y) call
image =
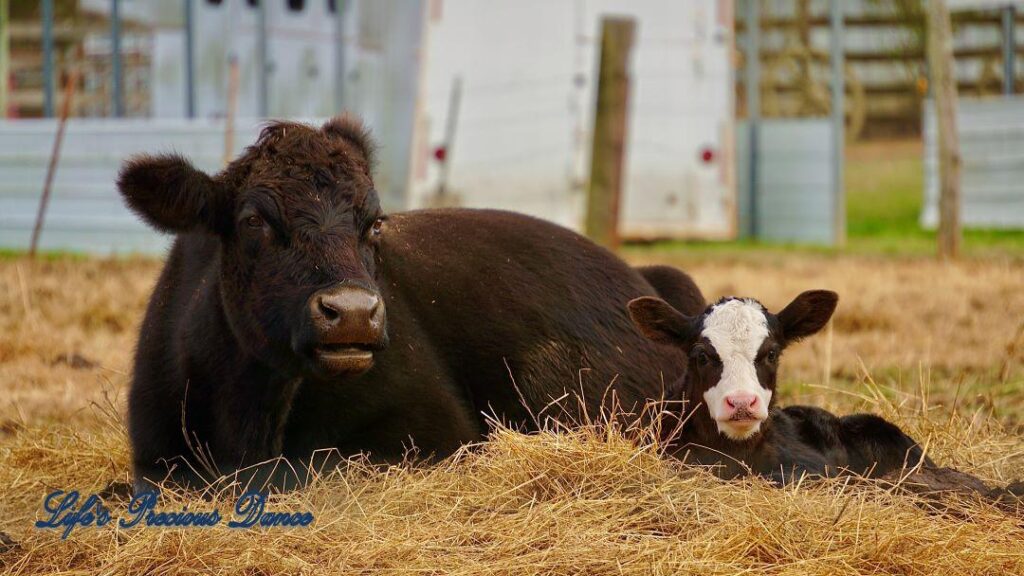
point(707, 155)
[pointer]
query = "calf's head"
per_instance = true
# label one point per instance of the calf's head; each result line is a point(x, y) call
point(733, 351)
point(297, 223)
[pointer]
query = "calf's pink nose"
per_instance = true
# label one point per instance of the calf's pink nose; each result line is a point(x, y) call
point(740, 401)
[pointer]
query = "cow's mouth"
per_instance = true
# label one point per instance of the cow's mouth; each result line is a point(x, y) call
point(741, 426)
point(334, 359)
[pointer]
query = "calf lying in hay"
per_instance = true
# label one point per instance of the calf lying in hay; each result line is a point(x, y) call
point(733, 349)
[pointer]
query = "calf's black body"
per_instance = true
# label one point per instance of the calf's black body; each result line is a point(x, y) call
point(805, 440)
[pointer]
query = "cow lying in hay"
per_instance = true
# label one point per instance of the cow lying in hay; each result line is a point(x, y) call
point(294, 316)
point(733, 348)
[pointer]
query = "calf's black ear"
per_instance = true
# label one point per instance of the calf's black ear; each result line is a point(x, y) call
point(807, 314)
point(659, 321)
point(170, 194)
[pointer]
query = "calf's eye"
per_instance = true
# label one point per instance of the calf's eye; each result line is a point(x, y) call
point(702, 358)
point(254, 221)
point(771, 357)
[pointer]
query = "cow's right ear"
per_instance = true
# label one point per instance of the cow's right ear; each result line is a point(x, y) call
point(660, 322)
point(170, 194)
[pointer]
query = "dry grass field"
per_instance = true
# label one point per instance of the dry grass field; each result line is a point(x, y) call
point(937, 347)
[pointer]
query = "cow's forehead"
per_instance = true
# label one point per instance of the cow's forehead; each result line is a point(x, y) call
point(736, 327)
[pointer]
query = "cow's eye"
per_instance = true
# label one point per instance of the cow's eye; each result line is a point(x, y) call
point(254, 221)
point(771, 357)
point(377, 225)
point(703, 359)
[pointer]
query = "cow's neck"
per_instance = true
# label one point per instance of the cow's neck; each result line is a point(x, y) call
point(250, 401)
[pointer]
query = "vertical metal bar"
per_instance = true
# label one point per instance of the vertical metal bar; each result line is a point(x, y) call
point(47, 10)
point(836, 59)
point(261, 56)
point(115, 58)
point(450, 129)
point(339, 55)
point(1009, 48)
point(5, 56)
point(753, 86)
point(190, 87)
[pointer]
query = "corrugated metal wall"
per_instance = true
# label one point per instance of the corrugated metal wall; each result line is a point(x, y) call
point(794, 195)
point(992, 152)
point(86, 213)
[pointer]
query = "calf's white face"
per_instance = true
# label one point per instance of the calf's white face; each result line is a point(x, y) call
point(733, 349)
point(738, 402)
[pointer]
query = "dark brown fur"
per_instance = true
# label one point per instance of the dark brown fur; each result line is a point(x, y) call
point(488, 313)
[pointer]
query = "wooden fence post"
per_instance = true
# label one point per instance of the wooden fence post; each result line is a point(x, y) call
point(943, 82)
point(610, 129)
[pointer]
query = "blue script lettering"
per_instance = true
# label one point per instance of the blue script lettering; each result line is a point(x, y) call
point(63, 512)
point(250, 508)
point(143, 507)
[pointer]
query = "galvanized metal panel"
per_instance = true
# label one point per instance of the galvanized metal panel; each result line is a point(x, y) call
point(86, 213)
point(795, 202)
point(992, 155)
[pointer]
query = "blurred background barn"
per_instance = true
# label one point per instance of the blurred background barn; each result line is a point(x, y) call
point(493, 104)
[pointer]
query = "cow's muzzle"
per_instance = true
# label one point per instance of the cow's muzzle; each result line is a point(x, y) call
point(348, 325)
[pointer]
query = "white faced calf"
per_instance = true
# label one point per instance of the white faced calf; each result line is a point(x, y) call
point(728, 390)
point(734, 349)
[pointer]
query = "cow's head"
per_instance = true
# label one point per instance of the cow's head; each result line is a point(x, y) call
point(733, 349)
point(298, 222)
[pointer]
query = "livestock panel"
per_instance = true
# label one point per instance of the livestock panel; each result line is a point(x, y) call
point(793, 200)
point(86, 213)
point(992, 156)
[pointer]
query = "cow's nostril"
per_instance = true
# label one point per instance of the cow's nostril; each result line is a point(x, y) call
point(328, 311)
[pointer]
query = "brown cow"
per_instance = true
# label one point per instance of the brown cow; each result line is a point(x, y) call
point(293, 315)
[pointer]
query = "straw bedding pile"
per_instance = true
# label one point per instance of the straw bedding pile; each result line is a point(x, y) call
point(581, 501)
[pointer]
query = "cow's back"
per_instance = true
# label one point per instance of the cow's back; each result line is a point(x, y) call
point(522, 310)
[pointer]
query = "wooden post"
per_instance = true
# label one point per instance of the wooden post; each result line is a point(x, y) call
point(232, 110)
point(610, 129)
point(943, 82)
point(51, 170)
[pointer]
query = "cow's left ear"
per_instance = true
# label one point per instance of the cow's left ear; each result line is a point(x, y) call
point(807, 314)
point(172, 195)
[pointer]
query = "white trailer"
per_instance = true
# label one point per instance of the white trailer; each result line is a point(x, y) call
point(528, 77)
point(521, 141)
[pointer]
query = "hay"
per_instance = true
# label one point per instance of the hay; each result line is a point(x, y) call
point(582, 501)
point(926, 345)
